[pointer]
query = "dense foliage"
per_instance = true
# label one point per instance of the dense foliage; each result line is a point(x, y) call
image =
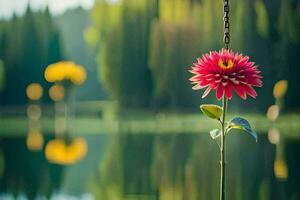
point(28, 44)
point(143, 49)
point(146, 47)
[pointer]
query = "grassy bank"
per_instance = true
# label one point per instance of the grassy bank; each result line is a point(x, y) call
point(149, 123)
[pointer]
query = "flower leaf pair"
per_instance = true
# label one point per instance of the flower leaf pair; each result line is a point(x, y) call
point(215, 112)
point(242, 124)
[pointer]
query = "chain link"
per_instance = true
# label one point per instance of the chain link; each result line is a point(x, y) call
point(226, 38)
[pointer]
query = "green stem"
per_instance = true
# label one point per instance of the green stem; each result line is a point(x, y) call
point(223, 151)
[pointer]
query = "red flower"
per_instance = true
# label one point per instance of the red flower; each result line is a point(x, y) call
point(225, 71)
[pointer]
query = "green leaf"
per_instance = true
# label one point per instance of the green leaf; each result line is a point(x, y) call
point(215, 135)
point(212, 111)
point(242, 124)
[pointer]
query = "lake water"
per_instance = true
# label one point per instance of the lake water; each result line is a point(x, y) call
point(149, 166)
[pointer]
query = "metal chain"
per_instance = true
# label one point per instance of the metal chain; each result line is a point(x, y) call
point(226, 38)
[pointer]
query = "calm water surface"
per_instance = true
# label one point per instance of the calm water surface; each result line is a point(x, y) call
point(150, 166)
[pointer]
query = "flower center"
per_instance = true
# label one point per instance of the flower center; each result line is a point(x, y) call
point(225, 64)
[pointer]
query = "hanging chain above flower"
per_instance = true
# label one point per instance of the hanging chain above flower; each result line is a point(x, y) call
point(226, 28)
point(225, 71)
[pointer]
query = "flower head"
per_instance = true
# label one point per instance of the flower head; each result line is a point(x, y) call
point(65, 71)
point(225, 71)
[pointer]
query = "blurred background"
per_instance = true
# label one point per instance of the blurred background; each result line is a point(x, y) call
point(95, 101)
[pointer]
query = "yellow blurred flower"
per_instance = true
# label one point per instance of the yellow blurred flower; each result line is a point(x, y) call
point(34, 91)
point(274, 135)
point(280, 89)
point(57, 92)
point(280, 169)
point(34, 112)
point(65, 71)
point(35, 140)
point(273, 112)
point(66, 153)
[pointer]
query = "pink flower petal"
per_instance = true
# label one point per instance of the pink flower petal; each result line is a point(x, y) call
point(219, 92)
point(240, 91)
point(198, 87)
point(206, 92)
point(250, 91)
point(228, 91)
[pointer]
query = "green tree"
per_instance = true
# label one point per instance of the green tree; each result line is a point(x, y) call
point(2, 75)
point(123, 56)
point(74, 27)
point(28, 44)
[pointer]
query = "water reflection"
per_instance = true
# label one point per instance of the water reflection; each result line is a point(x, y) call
point(35, 138)
point(26, 171)
point(183, 166)
point(280, 164)
point(152, 166)
point(66, 151)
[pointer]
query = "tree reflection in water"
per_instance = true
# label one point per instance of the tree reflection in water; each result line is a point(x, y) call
point(183, 166)
point(150, 166)
point(26, 171)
